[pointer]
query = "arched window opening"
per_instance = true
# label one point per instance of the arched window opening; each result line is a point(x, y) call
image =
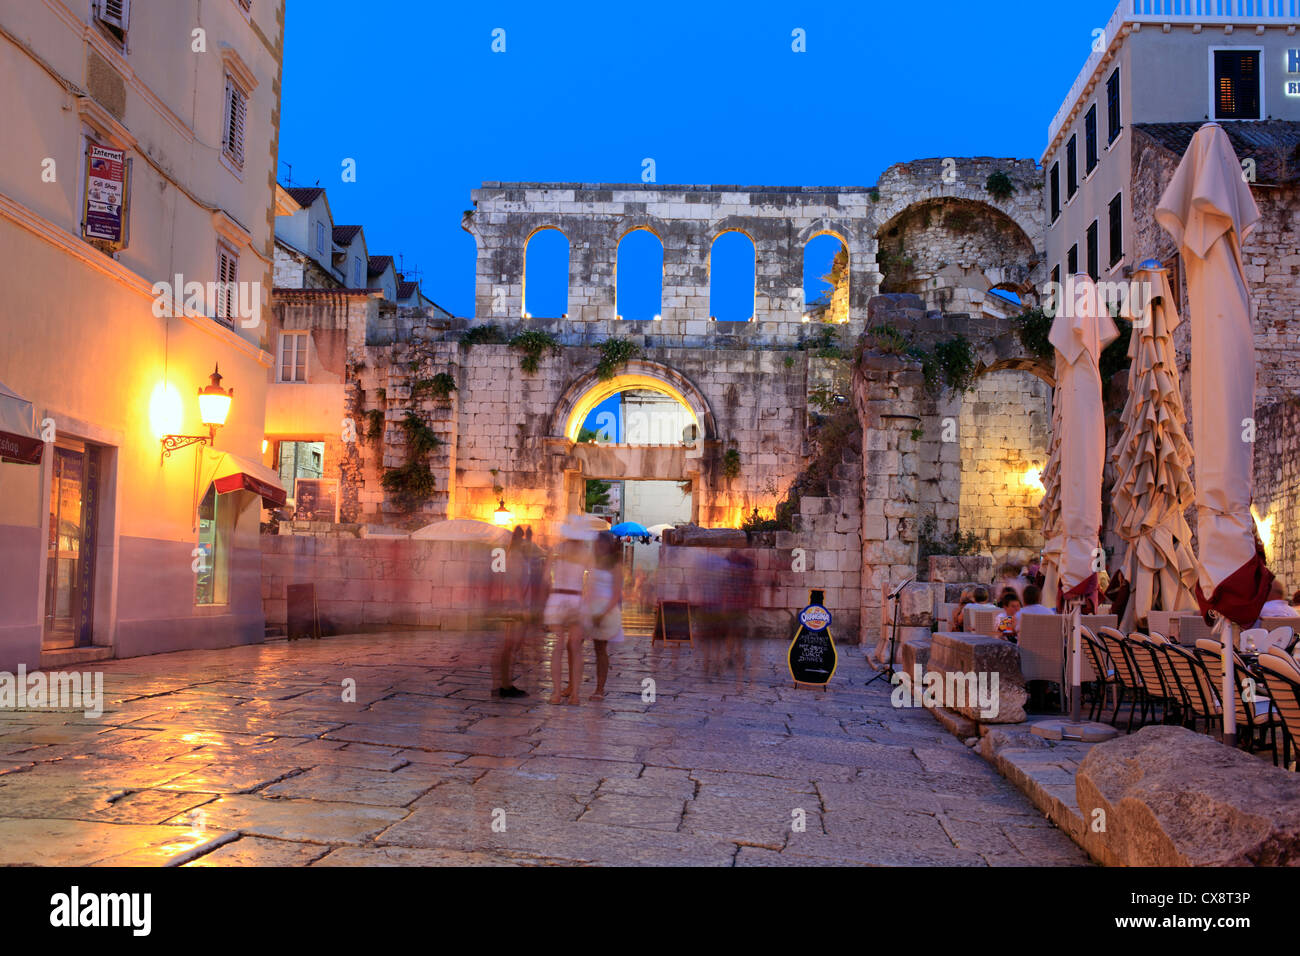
point(546, 275)
point(731, 278)
point(826, 279)
point(640, 276)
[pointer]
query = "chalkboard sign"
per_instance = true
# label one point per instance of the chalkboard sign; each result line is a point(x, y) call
point(302, 616)
point(673, 623)
point(812, 652)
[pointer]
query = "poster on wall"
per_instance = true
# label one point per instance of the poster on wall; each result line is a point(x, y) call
point(104, 216)
point(316, 499)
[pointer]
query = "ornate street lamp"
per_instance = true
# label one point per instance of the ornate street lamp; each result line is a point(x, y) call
point(503, 515)
point(214, 406)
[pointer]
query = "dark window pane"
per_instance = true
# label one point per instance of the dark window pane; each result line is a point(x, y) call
point(1054, 186)
point(1072, 260)
point(1112, 106)
point(1236, 84)
point(1090, 137)
point(1093, 269)
point(1072, 167)
point(1116, 229)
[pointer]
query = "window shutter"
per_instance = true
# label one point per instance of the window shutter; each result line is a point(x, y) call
point(246, 4)
point(1116, 229)
point(1072, 167)
point(1055, 189)
point(1236, 84)
point(1112, 106)
point(236, 113)
point(1093, 269)
point(227, 276)
point(1090, 137)
point(116, 13)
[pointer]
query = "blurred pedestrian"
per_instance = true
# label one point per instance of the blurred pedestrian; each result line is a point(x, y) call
point(563, 615)
point(515, 607)
point(603, 600)
point(737, 600)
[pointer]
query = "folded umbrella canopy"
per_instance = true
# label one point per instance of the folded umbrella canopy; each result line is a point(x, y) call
point(19, 441)
point(1081, 330)
point(1208, 210)
point(1153, 489)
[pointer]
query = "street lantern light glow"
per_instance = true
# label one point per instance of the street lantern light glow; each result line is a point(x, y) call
point(503, 515)
point(214, 402)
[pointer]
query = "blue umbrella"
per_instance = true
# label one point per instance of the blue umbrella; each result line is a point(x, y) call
point(629, 529)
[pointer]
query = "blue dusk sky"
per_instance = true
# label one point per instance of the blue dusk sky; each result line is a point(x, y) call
point(712, 92)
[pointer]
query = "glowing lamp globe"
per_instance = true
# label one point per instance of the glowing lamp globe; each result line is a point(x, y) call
point(503, 515)
point(214, 402)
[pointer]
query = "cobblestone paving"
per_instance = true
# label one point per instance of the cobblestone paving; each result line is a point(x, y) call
point(250, 756)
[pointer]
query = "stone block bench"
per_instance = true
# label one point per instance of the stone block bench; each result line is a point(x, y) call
point(963, 661)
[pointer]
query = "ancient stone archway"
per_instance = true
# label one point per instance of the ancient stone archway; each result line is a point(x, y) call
point(589, 390)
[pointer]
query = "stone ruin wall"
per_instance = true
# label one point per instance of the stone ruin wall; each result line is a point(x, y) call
point(1277, 487)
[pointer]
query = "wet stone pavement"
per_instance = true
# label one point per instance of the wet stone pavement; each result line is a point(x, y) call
point(250, 756)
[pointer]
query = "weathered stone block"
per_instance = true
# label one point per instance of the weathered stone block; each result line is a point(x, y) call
point(1173, 797)
point(974, 654)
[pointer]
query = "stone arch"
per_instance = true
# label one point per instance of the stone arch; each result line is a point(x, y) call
point(619, 266)
point(1004, 351)
point(568, 271)
point(588, 391)
point(837, 308)
point(715, 235)
point(974, 245)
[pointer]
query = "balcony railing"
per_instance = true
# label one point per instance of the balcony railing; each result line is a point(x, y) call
point(1210, 12)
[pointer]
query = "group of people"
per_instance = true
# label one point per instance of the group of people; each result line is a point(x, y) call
point(577, 595)
point(1020, 593)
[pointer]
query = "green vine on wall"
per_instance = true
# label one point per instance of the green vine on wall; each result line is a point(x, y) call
point(951, 363)
point(439, 387)
point(489, 334)
point(999, 185)
point(412, 484)
point(731, 464)
point(532, 345)
point(614, 354)
point(375, 425)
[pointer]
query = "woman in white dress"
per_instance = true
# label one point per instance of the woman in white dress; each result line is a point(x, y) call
point(603, 601)
point(563, 617)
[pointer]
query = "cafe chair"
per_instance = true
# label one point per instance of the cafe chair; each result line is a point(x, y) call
point(1281, 676)
point(1195, 685)
point(1253, 707)
point(1127, 676)
point(1158, 690)
point(1103, 670)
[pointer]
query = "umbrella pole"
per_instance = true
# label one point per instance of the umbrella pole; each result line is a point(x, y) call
point(1076, 626)
point(1229, 635)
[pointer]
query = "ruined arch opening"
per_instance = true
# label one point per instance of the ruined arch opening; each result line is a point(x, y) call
point(826, 279)
point(952, 252)
point(639, 275)
point(732, 274)
point(546, 274)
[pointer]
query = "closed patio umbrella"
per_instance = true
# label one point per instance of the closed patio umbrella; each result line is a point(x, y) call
point(1154, 489)
point(1209, 211)
point(1081, 330)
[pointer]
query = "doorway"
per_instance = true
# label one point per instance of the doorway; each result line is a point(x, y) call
point(70, 549)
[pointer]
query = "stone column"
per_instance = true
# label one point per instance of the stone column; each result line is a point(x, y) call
point(887, 392)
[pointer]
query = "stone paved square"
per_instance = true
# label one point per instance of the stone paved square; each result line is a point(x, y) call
point(251, 756)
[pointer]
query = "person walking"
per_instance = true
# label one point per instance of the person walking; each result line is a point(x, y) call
point(603, 601)
point(563, 615)
point(516, 609)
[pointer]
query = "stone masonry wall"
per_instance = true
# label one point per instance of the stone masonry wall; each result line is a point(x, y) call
point(1277, 486)
point(1005, 428)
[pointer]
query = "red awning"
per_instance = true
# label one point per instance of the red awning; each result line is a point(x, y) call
point(19, 449)
point(273, 495)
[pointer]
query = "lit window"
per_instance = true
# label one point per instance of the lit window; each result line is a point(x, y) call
point(1236, 84)
point(293, 357)
point(216, 536)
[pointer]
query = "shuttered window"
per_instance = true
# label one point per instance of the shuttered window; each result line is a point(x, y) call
point(1112, 107)
point(1116, 228)
point(1054, 187)
point(236, 116)
point(1236, 84)
point(115, 13)
point(227, 279)
point(1090, 138)
point(1072, 260)
point(1072, 167)
point(1093, 266)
